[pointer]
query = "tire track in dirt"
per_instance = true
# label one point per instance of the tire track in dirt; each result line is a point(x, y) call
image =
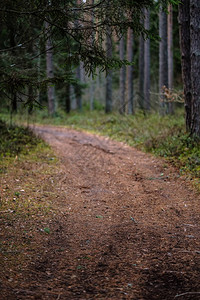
point(129, 227)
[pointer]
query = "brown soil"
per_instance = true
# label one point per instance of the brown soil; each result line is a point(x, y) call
point(127, 227)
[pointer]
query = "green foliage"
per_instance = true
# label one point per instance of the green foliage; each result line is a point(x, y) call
point(23, 38)
point(14, 139)
point(180, 148)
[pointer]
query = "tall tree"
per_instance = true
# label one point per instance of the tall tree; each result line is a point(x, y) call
point(170, 52)
point(12, 29)
point(122, 76)
point(189, 12)
point(195, 64)
point(130, 69)
point(92, 90)
point(62, 17)
point(163, 60)
point(68, 99)
point(147, 63)
point(184, 22)
point(92, 83)
point(141, 72)
point(78, 90)
point(49, 70)
point(108, 106)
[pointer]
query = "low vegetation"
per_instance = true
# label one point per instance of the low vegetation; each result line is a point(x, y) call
point(27, 171)
point(163, 136)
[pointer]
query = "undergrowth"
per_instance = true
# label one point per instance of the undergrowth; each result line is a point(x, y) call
point(27, 193)
point(14, 140)
point(163, 136)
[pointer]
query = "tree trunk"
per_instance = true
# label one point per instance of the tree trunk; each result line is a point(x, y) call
point(92, 84)
point(78, 91)
point(141, 73)
point(163, 61)
point(68, 99)
point(30, 99)
point(147, 64)
point(184, 22)
point(92, 88)
point(170, 53)
point(122, 77)
point(130, 71)
point(13, 44)
point(108, 107)
point(50, 74)
point(195, 64)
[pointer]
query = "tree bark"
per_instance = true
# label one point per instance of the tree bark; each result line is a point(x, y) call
point(78, 91)
point(195, 65)
point(170, 53)
point(141, 73)
point(184, 22)
point(50, 73)
point(147, 64)
point(68, 99)
point(163, 61)
point(122, 77)
point(92, 84)
point(12, 45)
point(108, 107)
point(130, 71)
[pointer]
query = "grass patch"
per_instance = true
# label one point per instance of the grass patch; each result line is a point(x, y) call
point(14, 140)
point(29, 171)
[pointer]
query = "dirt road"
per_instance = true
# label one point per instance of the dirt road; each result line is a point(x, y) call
point(128, 227)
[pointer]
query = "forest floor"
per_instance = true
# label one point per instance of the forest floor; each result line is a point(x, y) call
point(123, 225)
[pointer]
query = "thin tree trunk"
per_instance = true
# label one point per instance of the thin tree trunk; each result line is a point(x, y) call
point(170, 53)
point(12, 44)
point(147, 64)
point(122, 77)
point(38, 74)
point(78, 88)
point(79, 71)
point(92, 87)
point(130, 71)
point(31, 93)
point(92, 84)
point(184, 22)
point(163, 61)
point(195, 64)
point(68, 99)
point(31, 99)
point(141, 73)
point(108, 107)
point(50, 73)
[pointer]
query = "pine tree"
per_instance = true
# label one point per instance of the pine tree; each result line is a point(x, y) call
point(141, 72)
point(184, 21)
point(195, 65)
point(130, 94)
point(50, 72)
point(147, 64)
point(108, 106)
point(170, 52)
point(122, 77)
point(163, 60)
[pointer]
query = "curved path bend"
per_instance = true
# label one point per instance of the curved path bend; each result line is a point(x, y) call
point(130, 226)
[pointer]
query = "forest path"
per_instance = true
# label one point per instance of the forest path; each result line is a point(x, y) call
point(130, 225)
